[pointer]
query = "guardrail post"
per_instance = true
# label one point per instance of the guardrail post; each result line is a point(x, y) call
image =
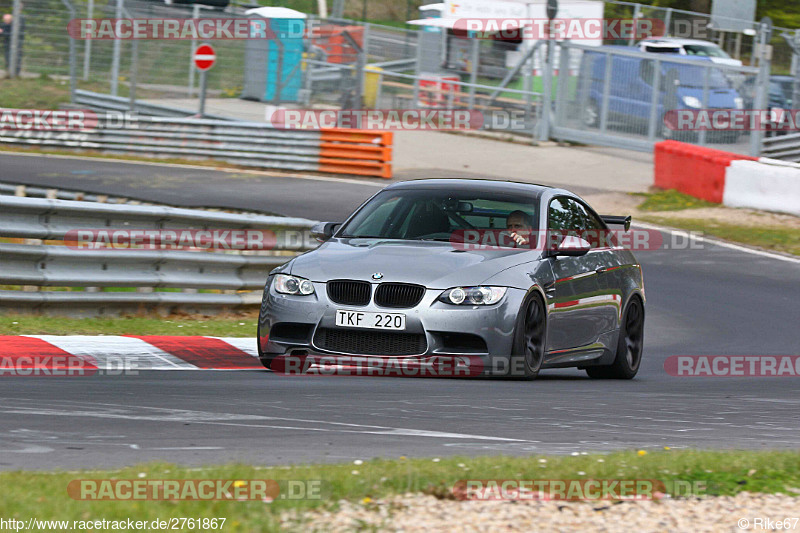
point(116, 52)
point(87, 45)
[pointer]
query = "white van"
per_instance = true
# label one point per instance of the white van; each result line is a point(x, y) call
point(688, 47)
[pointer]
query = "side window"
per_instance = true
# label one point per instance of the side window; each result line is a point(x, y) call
point(565, 214)
point(569, 217)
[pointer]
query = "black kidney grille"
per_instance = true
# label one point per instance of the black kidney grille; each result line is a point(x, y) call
point(398, 294)
point(349, 292)
point(369, 342)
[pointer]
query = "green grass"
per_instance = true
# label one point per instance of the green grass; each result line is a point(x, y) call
point(231, 325)
point(769, 237)
point(43, 495)
point(48, 93)
point(671, 200)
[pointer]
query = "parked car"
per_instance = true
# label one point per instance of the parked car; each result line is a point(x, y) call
point(688, 47)
point(779, 98)
point(631, 89)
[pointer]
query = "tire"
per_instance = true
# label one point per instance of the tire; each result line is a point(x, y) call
point(530, 333)
point(591, 115)
point(629, 347)
point(266, 359)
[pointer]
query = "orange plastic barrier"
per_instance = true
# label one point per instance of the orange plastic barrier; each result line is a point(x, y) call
point(693, 170)
point(359, 152)
point(336, 46)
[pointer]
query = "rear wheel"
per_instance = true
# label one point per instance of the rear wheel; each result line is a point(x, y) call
point(629, 347)
point(529, 339)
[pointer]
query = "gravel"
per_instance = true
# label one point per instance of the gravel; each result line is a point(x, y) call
point(419, 512)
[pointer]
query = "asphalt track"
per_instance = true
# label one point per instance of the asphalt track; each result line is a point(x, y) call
point(711, 301)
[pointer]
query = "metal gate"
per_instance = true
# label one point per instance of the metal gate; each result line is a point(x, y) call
point(619, 96)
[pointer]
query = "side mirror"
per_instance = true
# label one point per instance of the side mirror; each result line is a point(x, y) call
point(573, 247)
point(322, 231)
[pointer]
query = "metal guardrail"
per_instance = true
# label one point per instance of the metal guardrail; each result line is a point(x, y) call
point(38, 265)
point(107, 102)
point(340, 151)
point(784, 147)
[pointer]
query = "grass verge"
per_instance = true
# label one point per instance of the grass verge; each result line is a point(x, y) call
point(43, 495)
point(671, 200)
point(230, 325)
point(763, 231)
point(774, 238)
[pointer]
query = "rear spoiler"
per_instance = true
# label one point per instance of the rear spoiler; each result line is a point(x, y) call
point(617, 220)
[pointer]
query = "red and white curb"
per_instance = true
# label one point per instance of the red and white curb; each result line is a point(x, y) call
point(144, 352)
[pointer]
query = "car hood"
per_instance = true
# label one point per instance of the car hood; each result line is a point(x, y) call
point(726, 61)
point(436, 265)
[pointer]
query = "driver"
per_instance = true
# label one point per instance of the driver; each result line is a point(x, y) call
point(519, 225)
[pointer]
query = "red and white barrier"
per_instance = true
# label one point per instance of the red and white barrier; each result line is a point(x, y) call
point(766, 184)
point(113, 352)
point(730, 179)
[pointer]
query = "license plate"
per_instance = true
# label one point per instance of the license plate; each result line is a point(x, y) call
point(362, 319)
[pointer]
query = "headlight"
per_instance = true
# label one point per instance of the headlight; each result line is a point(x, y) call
point(691, 101)
point(738, 102)
point(473, 295)
point(285, 284)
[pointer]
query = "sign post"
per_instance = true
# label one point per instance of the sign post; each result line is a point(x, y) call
point(204, 59)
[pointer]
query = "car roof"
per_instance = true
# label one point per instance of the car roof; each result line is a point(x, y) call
point(476, 185)
point(676, 41)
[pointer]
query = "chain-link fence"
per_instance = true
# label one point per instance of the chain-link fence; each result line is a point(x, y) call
point(342, 63)
point(622, 97)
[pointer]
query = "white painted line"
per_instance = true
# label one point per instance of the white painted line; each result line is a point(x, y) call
point(717, 242)
point(162, 414)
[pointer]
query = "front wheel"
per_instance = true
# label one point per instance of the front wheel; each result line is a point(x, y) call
point(629, 347)
point(529, 339)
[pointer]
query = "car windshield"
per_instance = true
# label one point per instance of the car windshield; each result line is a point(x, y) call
point(434, 215)
point(705, 50)
point(660, 49)
point(691, 76)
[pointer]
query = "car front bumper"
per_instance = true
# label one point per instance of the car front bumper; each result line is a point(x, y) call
point(291, 325)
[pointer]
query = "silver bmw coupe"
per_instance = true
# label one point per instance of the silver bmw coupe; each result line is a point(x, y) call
point(515, 276)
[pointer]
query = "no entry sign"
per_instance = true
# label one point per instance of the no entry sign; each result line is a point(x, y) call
point(204, 57)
